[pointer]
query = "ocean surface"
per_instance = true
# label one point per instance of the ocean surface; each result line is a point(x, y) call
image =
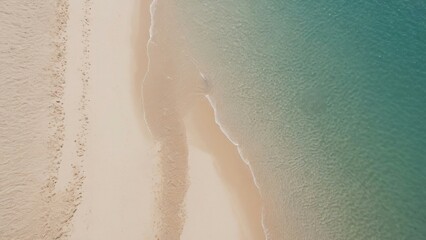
point(327, 100)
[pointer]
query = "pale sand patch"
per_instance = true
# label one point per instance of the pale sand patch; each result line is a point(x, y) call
point(208, 204)
point(117, 193)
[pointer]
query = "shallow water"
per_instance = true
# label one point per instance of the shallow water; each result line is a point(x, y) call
point(327, 100)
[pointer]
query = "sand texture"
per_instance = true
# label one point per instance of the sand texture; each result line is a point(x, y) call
point(33, 63)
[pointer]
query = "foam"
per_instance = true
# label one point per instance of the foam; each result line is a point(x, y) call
point(239, 149)
point(152, 9)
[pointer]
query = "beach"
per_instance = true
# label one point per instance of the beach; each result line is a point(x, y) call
point(242, 119)
point(107, 132)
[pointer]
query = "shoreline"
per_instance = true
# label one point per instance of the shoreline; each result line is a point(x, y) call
point(235, 172)
point(171, 90)
point(237, 146)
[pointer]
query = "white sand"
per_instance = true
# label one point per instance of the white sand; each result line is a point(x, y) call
point(81, 110)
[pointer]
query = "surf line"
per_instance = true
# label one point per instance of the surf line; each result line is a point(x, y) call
point(236, 144)
point(152, 9)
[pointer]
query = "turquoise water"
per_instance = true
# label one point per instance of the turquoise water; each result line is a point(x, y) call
point(328, 102)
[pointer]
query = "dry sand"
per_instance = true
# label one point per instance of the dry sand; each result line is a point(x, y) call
point(79, 156)
point(32, 122)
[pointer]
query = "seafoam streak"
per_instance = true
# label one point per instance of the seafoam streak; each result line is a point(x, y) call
point(152, 8)
point(237, 145)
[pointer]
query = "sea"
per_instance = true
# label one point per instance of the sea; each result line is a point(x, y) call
point(327, 103)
